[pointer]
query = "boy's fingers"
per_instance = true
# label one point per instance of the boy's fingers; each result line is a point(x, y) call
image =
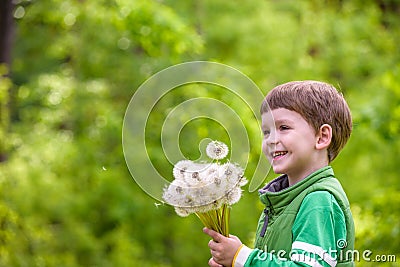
point(234, 237)
point(216, 236)
point(212, 263)
point(211, 244)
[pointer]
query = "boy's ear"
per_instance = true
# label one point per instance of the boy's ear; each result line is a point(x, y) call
point(324, 136)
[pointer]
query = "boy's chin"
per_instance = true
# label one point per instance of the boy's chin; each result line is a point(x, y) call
point(277, 170)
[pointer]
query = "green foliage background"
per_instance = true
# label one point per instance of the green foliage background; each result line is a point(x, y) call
point(66, 196)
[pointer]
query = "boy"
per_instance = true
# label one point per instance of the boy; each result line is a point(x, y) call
point(307, 219)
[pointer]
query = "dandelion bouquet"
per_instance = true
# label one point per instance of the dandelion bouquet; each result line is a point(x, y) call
point(207, 189)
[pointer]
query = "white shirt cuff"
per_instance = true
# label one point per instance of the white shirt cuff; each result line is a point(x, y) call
point(241, 256)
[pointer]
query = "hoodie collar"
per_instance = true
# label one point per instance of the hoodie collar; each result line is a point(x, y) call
point(277, 193)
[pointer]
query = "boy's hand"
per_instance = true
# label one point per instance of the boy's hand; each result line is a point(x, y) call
point(223, 249)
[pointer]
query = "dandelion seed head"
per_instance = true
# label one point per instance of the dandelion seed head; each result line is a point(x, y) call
point(179, 190)
point(232, 172)
point(195, 175)
point(234, 196)
point(189, 200)
point(217, 150)
point(190, 180)
point(212, 169)
point(182, 211)
point(181, 167)
point(184, 166)
point(202, 187)
point(243, 181)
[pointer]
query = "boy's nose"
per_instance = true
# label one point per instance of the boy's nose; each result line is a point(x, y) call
point(272, 139)
point(268, 147)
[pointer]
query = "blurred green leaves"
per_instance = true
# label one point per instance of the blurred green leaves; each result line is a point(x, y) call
point(66, 196)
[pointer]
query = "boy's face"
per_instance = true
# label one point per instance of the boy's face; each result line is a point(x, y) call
point(289, 143)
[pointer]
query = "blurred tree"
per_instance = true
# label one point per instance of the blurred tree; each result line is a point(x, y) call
point(66, 197)
point(6, 39)
point(6, 30)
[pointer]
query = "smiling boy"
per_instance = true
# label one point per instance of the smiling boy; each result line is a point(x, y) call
point(307, 219)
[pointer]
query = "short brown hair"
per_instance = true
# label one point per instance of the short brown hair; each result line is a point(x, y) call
point(318, 103)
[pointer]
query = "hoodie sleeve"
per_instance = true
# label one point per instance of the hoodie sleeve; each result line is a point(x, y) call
point(319, 232)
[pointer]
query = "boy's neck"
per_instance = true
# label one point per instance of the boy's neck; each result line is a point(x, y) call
point(294, 179)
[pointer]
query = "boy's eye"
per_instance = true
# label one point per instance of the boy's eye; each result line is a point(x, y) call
point(284, 127)
point(266, 132)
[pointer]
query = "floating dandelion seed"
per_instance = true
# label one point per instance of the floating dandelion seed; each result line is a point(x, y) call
point(157, 204)
point(217, 150)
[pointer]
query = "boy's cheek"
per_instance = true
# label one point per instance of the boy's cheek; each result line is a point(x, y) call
point(266, 153)
point(269, 159)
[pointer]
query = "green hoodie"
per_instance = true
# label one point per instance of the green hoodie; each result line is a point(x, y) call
point(307, 224)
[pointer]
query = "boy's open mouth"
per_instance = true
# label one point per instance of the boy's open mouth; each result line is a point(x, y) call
point(278, 154)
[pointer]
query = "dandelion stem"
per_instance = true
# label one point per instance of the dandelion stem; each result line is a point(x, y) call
point(217, 220)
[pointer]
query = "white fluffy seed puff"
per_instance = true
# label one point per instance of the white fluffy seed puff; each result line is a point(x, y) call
point(201, 187)
point(217, 150)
